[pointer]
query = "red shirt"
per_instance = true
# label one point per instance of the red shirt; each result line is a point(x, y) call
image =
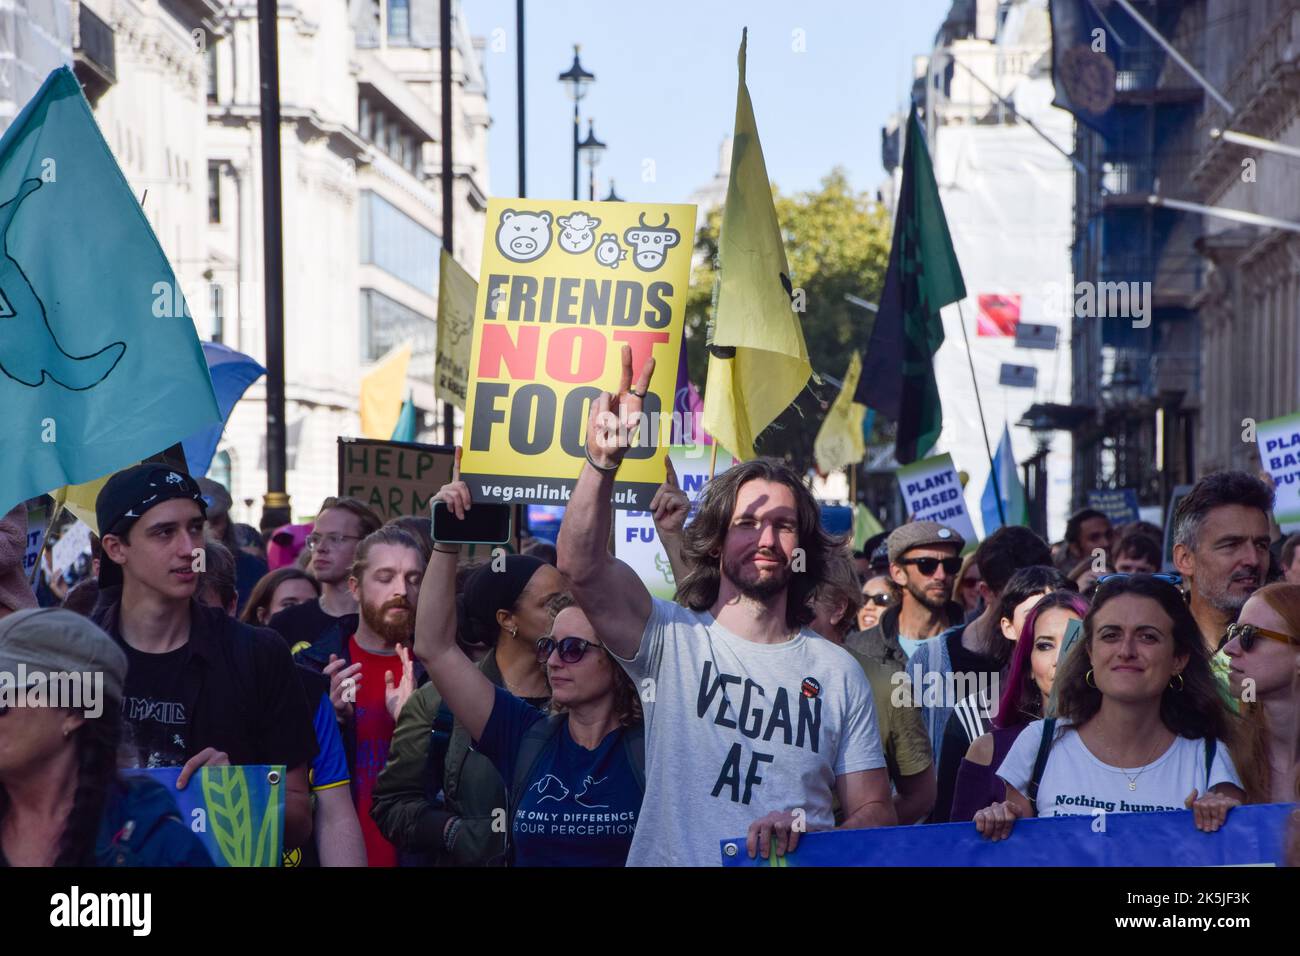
point(374, 733)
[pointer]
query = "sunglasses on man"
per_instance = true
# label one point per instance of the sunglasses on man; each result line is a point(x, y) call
point(927, 566)
point(1249, 635)
point(571, 649)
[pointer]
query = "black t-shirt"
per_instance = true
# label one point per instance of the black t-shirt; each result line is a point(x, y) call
point(238, 687)
point(305, 623)
point(154, 720)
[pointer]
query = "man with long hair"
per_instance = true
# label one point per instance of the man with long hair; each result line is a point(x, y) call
point(753, 724)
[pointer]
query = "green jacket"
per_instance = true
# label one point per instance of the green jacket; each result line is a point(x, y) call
point(473, 789)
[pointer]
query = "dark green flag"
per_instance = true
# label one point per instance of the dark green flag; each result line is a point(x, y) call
point(923, 276)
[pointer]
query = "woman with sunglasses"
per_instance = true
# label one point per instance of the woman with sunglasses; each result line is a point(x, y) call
point(1027, 686)
point(574, 777)
point(1139, 726)
point(879, 594)
point(1263, 650)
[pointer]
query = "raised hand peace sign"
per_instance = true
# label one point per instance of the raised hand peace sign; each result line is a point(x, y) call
point(611, 426)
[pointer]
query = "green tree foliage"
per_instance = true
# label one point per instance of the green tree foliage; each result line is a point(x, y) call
point(836, 242)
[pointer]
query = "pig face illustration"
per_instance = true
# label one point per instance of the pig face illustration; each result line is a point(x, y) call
point(524, 236)
point(577, 232)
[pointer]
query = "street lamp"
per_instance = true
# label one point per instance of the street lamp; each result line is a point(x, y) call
point(613, 196)
point(592, 149)
point(576, 81)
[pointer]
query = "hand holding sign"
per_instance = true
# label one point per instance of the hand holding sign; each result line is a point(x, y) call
point(612, 426)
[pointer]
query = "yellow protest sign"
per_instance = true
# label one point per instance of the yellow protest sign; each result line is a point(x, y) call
point(456, 293)
point(562, 288)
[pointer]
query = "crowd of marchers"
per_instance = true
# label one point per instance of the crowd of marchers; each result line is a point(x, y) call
point(542, 708)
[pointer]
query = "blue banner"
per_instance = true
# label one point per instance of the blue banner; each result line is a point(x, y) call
point(1120, 505)
point(237, 812)
point(1252, 836)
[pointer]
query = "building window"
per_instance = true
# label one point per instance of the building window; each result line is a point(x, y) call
point(399, 21)
point(210, 61)
point(214, 193)
point(398, 244)
point(367, 124)
point(216, 309)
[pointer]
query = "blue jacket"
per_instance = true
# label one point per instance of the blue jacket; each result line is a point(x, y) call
point(142, 827)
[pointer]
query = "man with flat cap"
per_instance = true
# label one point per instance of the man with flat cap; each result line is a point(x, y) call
point(924, 559)
point(201, 687)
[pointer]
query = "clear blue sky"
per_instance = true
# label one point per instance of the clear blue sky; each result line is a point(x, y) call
point(665, 87)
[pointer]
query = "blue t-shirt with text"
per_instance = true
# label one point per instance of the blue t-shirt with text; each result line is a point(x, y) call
point(581, 806)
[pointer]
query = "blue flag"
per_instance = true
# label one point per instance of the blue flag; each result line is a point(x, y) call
point(232, 372)
point(101, 362)
point(1013, 492)
point(405, 428)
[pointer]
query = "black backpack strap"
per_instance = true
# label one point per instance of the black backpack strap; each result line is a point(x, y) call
point(1211, 748)
point(436, 766)
point(530, 753)
point(1040, 761)
point(634, 745)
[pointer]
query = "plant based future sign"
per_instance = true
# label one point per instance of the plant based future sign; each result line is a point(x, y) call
point(563, 287)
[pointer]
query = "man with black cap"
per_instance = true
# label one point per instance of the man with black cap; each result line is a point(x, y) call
point(201, 688)
point(924, 558)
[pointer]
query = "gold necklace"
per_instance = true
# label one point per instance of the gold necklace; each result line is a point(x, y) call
point(1132, 780)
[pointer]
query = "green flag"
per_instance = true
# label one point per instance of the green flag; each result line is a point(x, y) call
point(923, 276)
point(101, 363)
point(758, 362)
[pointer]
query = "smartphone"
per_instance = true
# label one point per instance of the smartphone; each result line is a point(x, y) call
point(483, 524)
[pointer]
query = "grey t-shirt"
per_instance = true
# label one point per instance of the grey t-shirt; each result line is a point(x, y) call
point(735, 730)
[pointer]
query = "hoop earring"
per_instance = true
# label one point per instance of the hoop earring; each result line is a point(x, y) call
point(1181, 683)
point(1088, 679)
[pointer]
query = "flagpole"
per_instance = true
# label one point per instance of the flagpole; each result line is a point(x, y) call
point(713, 460)
point(1176, 56)
point(984, 429)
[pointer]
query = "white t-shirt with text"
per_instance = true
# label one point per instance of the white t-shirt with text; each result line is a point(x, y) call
point(1076, 782)
point(735, 730)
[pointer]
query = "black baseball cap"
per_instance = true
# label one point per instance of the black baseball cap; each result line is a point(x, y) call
point(128, 496)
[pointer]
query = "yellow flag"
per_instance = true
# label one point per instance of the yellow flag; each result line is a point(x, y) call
point(457, 292)
point(758, 362)
point(80, 499)
point(839, 442)
point(382, 392)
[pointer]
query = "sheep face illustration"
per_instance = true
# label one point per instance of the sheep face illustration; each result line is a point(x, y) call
point(651, 243)
point(524, 236)
point(577, 232)
point(609, 252)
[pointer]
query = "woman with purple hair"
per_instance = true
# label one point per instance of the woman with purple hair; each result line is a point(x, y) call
point(1024, 698)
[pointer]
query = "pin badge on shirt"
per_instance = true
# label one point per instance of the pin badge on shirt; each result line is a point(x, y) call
point(811, 688)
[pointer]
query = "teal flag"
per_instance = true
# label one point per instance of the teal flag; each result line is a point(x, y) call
point(101, 363)
point(405, 430)
point(1014, 508)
